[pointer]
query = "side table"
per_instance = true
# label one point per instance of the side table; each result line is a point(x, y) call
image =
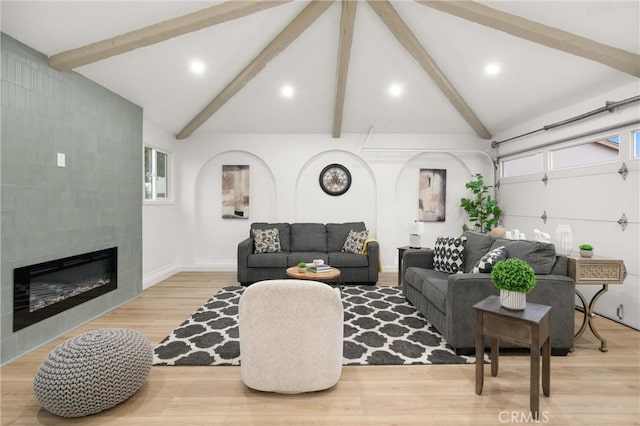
point(401, 251)
point(529, 327)
point(599, 271)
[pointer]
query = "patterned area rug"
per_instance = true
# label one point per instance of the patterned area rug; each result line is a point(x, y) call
point(381, 328)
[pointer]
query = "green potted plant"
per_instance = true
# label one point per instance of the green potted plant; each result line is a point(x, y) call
point(514, 278)
point(483, 211)
point(586, 250)
point(302, 267)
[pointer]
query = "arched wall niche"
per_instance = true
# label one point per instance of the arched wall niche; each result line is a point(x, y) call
point(211, 230)
point(460, 167)
point(359, 203)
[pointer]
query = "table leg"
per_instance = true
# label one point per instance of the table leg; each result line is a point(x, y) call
point(534, 397)
point(546, 367)
point(400, 253)
point(338, 283)
point(585, 318)
point(589, 316)
point(479, 353)
point(495, 356)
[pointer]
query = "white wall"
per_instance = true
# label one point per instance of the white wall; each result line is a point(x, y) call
point(189, 233)
point(284, 187)
point(590, 199)
point(160, 221)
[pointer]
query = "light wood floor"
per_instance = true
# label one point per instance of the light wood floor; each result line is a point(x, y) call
point(588, 387)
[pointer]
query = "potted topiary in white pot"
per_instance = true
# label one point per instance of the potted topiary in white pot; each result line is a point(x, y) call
point(514, 278)
point(586, 250)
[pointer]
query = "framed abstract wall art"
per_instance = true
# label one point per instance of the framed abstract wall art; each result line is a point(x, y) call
point(235, 192)
point(432, 195)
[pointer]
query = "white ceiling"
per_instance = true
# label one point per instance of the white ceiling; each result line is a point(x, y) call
point(535, 79)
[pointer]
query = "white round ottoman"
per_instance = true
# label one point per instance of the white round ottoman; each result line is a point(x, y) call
point(93, 371)
point(291, 336)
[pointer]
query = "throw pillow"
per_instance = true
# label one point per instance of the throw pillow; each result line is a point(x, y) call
point(487, 262)
point(355, 241)
point(449, 254)
point(266, 241)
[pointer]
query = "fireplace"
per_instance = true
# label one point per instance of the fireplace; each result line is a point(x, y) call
point(46, 289)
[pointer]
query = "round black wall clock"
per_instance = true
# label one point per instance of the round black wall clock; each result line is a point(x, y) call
point(335, 179)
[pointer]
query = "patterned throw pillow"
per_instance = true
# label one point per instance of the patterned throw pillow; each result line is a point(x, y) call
point(266, 240)
point(355, 241)
point(449, 254)
point(487, 262)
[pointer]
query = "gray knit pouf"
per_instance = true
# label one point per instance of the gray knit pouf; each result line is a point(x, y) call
point(93, 371)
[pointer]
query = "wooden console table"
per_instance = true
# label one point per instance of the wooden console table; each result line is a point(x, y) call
point(599, 271)
point(529, 327)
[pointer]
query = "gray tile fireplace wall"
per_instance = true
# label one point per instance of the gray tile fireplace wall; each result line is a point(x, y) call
point(50, 212)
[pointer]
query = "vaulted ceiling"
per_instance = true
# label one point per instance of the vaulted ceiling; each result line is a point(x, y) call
point(340, 59)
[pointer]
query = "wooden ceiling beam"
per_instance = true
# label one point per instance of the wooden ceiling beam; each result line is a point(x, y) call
point(347, 20)
point(158, 32)
point(405, 36)
point(555, 38)
point(290, 33)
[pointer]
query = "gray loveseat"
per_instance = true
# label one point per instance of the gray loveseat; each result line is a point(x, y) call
point(304, 242)
point(447, 300)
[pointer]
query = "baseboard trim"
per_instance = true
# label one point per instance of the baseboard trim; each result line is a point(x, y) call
point(159, 275)
point(209, 267)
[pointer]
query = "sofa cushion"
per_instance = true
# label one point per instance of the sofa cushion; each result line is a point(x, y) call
point(486, 262)
point(267, 260)
point(560, 267)
point(355, 242)
point(266, 240)
point(449, 254)
point(541, 256)
point(476, 246)
point(414, 277)
point(434, 289)
point(347, 260)
point(308, 237)
point(337, 233)
point(284, 232)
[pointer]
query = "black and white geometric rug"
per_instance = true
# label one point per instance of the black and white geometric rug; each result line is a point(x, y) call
point(381, 328)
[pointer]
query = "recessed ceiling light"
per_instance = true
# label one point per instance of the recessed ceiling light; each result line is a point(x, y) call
point(492, 69)
point(197, 67)
point(395, 90)
point(287, 91)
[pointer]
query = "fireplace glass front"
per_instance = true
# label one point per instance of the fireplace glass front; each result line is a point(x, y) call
point(45, 289)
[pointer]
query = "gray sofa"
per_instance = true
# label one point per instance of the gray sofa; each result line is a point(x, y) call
point(304, 242)
point(447, 300)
